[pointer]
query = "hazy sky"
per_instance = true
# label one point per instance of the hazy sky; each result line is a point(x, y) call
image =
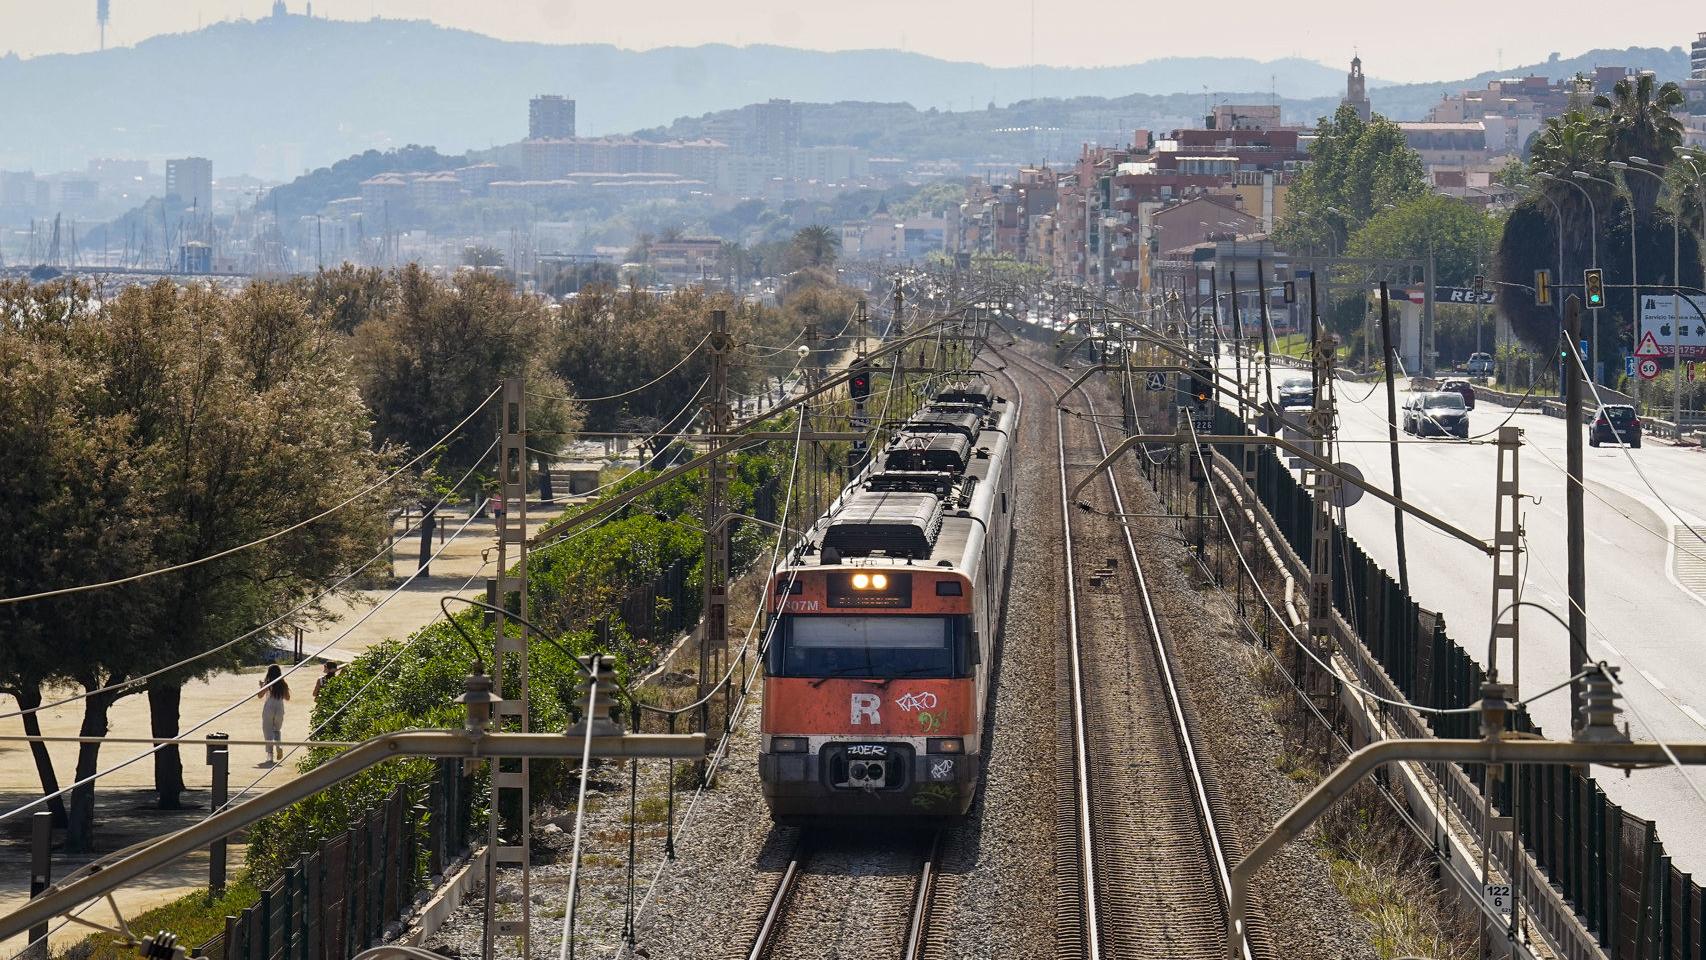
point(1441, 40)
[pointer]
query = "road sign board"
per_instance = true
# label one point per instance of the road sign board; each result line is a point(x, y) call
point(1629, 365)
point(1649, 368)
point(1464, 295)
point(1156, 382)
point(1346, 493)
point(1673, 323)
point(1649, 346)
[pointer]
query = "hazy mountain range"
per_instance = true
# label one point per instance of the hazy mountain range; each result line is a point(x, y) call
point(276, 96)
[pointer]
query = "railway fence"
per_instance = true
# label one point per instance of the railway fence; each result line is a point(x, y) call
point(1609, 864)
point(356, 888)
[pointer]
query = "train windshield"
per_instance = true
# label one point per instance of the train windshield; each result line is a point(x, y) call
point(868, 646)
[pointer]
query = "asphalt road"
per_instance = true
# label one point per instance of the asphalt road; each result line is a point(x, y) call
point(1641, 617)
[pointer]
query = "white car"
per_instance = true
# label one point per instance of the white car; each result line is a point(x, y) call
point(1481, 364)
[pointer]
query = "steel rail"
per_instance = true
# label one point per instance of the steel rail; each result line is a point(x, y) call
point(779, 900)
point(1193, 763)
point(919, 924)
point(1089, 904)
point(1164, 659)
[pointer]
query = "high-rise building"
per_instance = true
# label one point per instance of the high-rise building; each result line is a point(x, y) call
point(191, 181)
point(1697, 58)
point(1356, 91)
point(778, 129)
point(551, 116)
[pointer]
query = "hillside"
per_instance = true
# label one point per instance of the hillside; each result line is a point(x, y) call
point(276, 96)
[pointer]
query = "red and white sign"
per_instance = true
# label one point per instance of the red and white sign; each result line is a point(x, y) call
point(1649, 346)
point(1691, 371)
point(1648, 368)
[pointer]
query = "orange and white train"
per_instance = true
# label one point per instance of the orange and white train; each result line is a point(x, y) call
point(885, 622)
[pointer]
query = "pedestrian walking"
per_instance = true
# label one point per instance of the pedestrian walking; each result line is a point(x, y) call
point(327, 672)
point(274, 692)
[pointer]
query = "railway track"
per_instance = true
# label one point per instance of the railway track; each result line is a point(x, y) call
point(1148, 874)
point(841, 890)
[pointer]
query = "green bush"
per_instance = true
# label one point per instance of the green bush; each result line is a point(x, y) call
point(195, 918)
point(413, 682)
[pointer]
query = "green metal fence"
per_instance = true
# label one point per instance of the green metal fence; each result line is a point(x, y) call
point(1609, 863)
point(337, 900)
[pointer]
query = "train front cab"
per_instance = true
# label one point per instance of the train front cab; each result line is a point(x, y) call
point(872, 694)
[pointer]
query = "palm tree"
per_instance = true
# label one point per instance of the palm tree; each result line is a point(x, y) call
point(817, 246)
point(1638, 123)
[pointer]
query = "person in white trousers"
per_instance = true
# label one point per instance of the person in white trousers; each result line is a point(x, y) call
point(274, 692)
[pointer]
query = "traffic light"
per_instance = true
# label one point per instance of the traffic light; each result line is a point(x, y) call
point(1480, 284)
point(1542, 288)
point(1289, 291)
point(1593, 281)
point(859, 384)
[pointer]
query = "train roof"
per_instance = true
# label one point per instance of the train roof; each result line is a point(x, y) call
point(923, 501)
point(890, 524)
point(975, 390)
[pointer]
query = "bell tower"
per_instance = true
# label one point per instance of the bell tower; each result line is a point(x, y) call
point(1356, 90)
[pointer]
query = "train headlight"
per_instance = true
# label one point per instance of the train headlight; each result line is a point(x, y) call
point(878, 581)
point(944, 745)
point(861, 581)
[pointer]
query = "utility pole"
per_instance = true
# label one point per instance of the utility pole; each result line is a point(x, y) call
point(1507, 558)
point(510, 831)
point(716, 567)
point(1574, 519)
point(1267, 343)
point(1390, 363)
point(1323, 485)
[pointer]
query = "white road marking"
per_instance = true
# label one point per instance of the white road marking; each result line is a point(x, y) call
point(1655, 681)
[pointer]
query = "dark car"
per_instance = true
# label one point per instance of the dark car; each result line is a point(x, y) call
point(1438, 412)
point(1615, 423)
point(1463, 387)
point(1297, 392)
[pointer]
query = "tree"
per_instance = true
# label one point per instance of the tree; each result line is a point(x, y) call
point(816, 247)
point(233, 417)
point(1459, 236)
point(1355, 169)
point(1638, 122)
point(348, 296)
point(432, 360)
point(1634, 121)
point(481, 256)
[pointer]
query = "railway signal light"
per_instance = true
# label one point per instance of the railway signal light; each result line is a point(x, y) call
point(1202, 385)
point(859, 384)
point(1593, 281)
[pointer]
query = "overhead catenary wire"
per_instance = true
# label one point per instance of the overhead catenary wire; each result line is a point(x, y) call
point(133, 578)
point(32, 804)
point(293, 611)
point(689, 355)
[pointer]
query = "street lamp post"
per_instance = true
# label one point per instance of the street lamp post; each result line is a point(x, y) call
point(1593, 236)
point(1634, 272)
point(1598, 370)
point(1642, 165)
